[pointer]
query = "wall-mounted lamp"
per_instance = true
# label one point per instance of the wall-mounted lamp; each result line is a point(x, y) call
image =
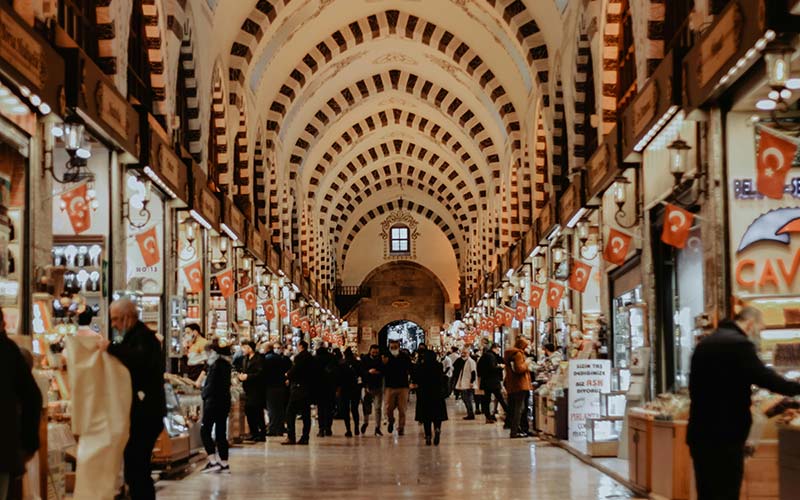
point(583, 231)
point(678, 163)
point(73, 134)
point(540, 275)
point(138, 200)
point(778, 57)
point(223, 247)
point(559, 254)
point(620, 188)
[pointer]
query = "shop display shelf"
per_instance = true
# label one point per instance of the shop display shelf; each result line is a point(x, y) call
point(789, 462)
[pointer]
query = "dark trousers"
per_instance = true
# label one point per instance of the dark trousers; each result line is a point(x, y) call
point(468, 395)
point(427, 424)
point(276, 410)
point(215, 419)
point(326, 406)
point(487, 399)
point(298, 406)
point(350, 406)
point(517, 403)
point(138, 452)
point(255, 419)
point(718, 471)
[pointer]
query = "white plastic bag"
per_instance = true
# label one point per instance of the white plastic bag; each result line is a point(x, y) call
point(101, 404)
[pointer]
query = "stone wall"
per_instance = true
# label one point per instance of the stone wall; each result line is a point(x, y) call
point(400, 291)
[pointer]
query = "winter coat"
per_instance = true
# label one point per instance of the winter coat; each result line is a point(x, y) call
point(518, 376)
point(255, 387)
point(326, 371)
point(275, 368)
point(397, 371)
point(140, 352)
point(432, 390)
point(367, 363)
point(489, 372)
point(467, 375)
point(724, 367)
point(20, 409)
point(349, 373)
point(216, 390)
point(301, 376)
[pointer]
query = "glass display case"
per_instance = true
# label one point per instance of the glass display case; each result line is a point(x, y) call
point(602, 436)
point(613, 403)
point(630, 330)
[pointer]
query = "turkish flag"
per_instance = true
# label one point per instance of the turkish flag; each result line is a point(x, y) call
point(248, 294)
point(77, 208)
point(283, 309)
point(194, 275)
point(499, 317)
point(536, 296)
point(148, 246)
point(617, 247)
point(305, 325)
point(225, 282)
point(490, 323)
point(775, 157)
point(522, 310)
point(295, 318)
point(580, 276)
point(508, 316)
point(677, 224)
point(484, 325)
point(313, 331)
point(554, 293)
point(269, 309)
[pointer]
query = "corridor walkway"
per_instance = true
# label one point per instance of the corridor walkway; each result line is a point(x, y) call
point(474, 461)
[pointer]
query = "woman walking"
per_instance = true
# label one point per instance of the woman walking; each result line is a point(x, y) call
point(216, 407)
point(432, 388)
point(350, 390)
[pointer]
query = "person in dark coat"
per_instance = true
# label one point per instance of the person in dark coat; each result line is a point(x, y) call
point(276, 365)
point(518, 387)
point(396, 371)
point(255, 391)
point(326, 367)
point(216, 395)
point(141, 352)
point(349, 381)
point(372, 376)
point(432, 388)
point(300, 380)
point(490, 372)
point(20, 411)
point(725, 366)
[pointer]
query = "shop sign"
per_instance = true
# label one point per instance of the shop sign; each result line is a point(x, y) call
point(274, 260)
point(602, 167)
point(209, 206)
point(237, 222)
point(530, 242)
point(113, 108)
point(165, 162)
point(721, 44)
point(21, 50)
point(515, 259)
point(571, 200)
point(546, 220)
point(588, 378)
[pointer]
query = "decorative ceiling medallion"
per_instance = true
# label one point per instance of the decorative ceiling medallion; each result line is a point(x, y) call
point(401, 304)
point(394, 57)
point(399, 217)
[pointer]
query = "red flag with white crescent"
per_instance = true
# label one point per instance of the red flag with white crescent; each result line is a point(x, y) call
point(536, 296)
point(194, 275)
point(775, 157)
point(522, 310)
point(499, 317)
point(77, 208)
point(617, 247)
point(305, 325)
point(580, 276)
point(313, 331)
point(295, 318)
point(248, 294)
point(677, 224)
point(148, 246)
point(554, 293)
point(269, 309)
point(508, 316)
point(225, 282)
point(283, 309)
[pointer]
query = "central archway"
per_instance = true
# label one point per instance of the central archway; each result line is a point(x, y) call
point(410, 334)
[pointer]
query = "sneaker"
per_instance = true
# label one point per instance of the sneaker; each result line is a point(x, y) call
point(210, 467)
point(378, 431)
point(224, 469)
point(349, 434)
point(390, 427)
point(363, 428)
point(303, 441)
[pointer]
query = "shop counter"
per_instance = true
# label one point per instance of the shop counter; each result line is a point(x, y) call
point(672, 478)
point(789, 462)
point(640, 449)
point(761, 473)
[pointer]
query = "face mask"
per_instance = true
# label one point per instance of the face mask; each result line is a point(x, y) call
point(278, 351)
point(212, 357)
point(395, 352)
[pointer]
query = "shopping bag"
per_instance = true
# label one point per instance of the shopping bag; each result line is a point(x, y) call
point(101, 405)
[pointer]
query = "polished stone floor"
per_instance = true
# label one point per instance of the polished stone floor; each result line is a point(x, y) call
point(474, 460)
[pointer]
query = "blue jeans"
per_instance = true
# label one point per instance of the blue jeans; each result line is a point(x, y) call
point(468, 396)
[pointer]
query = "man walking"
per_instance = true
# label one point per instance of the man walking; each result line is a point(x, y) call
point(325, 368)
point(255, 391)
point(725, 366)
point(490, 372)
point(466, 375)
point(300, 378)
point(396, 369)
point(372, 369)
point(140, 352)
point(276, 365)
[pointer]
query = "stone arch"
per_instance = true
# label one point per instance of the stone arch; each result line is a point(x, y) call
point(241, 161)
point(541, 160)
point(412, 84)
point(560, 166)
point(618, 21)
point(260, 176)
point(410, 265)
point(585, 136)
point(187, 77)
point(219, 174)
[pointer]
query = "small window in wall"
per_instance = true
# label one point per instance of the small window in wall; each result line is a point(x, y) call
point(400, 240)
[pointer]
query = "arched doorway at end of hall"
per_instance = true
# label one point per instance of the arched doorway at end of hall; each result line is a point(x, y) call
point(410, 334)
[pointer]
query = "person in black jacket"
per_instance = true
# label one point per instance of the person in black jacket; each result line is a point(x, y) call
point(490, 372)
point(255, 391)
point(20, 411)
point(396, 372)
point(325, 367)
point(372, 376)
point(432, 388)
point(725, 366)
point(276, 365)
point(216, 394)
point(300, 376)
point(349, 381)
point(140, 351)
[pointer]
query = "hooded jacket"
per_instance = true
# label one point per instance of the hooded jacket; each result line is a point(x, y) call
point(518, 377)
